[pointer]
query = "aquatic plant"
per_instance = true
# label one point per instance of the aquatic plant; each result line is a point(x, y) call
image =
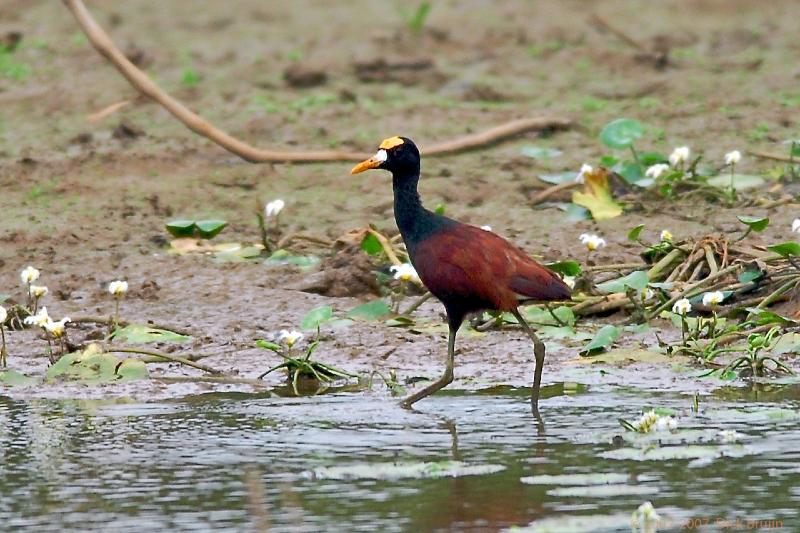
point(3, 350)
point(302, 366)
point(117, 289)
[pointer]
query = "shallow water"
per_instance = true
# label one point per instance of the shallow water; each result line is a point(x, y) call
point(243, 462)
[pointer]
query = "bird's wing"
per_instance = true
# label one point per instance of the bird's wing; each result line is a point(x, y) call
point(471, 263)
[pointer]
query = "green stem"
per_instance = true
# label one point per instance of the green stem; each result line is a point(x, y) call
point(3, 352)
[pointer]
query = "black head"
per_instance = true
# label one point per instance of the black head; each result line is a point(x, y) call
point(398, 155)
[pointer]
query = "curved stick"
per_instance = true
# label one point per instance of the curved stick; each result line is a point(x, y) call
point(103, 44)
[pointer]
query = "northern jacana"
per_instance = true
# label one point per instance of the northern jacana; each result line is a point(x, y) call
point(467, 268)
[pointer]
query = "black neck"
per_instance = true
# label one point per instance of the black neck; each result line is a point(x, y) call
point(414, 221)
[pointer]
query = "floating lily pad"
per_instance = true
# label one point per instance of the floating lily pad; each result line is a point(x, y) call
point(540, 152)
point(629, 355)
point(142, 333)
point(565, 268)
point(316, 317)
point(94, 366)
point(601, 478)
point(395, 471)
point(671, 453)
point(787, 343)
point(12, 378)
point(283, 257)
point(604, 338)
point(539, 315)
point(621, 133)
point(603, 491)
point(374, 310)
point(637, 280)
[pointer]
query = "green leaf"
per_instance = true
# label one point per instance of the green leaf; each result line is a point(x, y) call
point(316, 317)
point(209, 229)
point(623, 356)
point(439, 209)
point(631, 172)
point(12, 378)
point(786, 249)
point(636, 280)
point(371, 244)
point(741, 182)
point(540, 315)
point(648, 159)
point(540, 152)
point(132, 369)
point(374, 310)
point(755, 223)
point(750, 275)
point(181, 228)
point(608, 161)
point(556, 179)
point(236, 253)
point(565, 268)
point(284, 257)
point(604, 338)
point(621, 133)
point(633, 235)
point(575, 212)
point(399, 322)
point(261, 343)
point(142, 333)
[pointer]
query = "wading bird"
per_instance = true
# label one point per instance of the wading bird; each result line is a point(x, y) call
point(467, 268)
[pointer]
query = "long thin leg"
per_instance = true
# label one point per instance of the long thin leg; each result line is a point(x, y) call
point(445, 380)
point(538, 352)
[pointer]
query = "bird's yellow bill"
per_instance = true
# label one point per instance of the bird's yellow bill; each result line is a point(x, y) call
point(367, 164)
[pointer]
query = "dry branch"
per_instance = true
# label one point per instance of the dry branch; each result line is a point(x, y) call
point(139, 80)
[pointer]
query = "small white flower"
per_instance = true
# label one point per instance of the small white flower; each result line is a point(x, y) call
point(665, 423)
point(3, 315)
point(290, 337)
point(274, 207)
point(728, 436)
point(487, 227)
point(796, 225)
point(29, 275)
point(592, 242)
point(655, 171)
point(56, 329)
point(646, 422)
point(585, 169)
point(713, 298)
point(733, 157)
point(644, 517)
point(648, 294)
point(679, 156)
point(666, 235)
point(118, 288)
point(405, 272)
point(37, 291)
point(682, 306)
point(39, 319)
point(569, 281)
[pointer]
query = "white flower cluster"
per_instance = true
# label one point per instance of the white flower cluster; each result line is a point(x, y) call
point(289, 337)
point(273, 208)
point(651, 421)
point(592, 242)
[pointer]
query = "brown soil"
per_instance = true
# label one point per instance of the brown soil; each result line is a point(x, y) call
point(86, 202)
